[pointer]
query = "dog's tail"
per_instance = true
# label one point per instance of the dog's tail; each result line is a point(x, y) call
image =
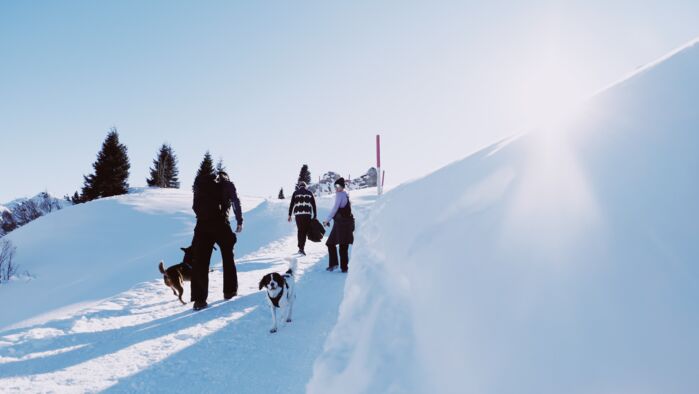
point(161, 267)
point(293, 264)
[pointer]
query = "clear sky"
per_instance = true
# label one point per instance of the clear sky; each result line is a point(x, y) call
point(270, 85)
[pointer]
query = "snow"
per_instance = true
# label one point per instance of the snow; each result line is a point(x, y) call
point(559, 261)
point(85, 253)
point(564, 260)
point(97, 316)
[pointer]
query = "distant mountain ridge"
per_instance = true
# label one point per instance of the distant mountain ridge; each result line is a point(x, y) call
point(21, 211)
point(325, 184)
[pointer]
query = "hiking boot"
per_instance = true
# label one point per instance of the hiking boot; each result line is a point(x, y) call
point(228, 296)
point(331, 268)
point(344, 271)
point(301, 252)
point(199, 305)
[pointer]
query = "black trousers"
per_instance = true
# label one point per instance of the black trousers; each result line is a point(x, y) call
point(206, 234)
point(303, 226)
point(344, 256)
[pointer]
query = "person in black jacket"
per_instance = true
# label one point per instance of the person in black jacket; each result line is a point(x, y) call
point(212, 203)
point(303, 206)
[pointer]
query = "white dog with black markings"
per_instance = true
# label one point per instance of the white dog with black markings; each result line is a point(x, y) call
point(280, 293)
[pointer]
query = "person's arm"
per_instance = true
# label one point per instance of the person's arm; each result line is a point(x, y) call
point(236, 205)
point(291, 203)
point(313, 205)
point(336, 207)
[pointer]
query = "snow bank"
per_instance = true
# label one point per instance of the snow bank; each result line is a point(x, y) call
point(564, 261)
point(90, 251)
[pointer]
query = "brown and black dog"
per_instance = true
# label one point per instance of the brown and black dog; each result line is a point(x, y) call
point(175, 276)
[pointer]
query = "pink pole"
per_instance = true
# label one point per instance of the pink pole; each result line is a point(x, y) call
point(379, 182)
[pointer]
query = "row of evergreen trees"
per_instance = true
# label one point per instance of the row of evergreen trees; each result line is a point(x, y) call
point(112, 166)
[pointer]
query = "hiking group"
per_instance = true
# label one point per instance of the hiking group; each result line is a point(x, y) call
point(215, 195)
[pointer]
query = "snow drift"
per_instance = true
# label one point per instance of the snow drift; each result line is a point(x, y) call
point(562, 261)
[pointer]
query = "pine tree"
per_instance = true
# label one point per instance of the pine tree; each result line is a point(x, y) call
point(304, 175)
point(76, 198)
point(281, 194)
point(207, 166)
point(164, 172)
point(111, 170)
point(219, 166)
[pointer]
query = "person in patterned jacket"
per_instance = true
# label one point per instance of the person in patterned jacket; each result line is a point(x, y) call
point(303, 207)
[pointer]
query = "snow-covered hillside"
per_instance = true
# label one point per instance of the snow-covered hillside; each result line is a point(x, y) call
point(563, 261)
point(97, 316)
point(21, 211)
point(100, 248)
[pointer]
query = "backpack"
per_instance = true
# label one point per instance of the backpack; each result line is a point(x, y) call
point(207, 198)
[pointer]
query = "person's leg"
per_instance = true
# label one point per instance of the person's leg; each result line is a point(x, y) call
point(344, 257)
point(332, 256)
point(303, 224)
point(226, 240)
point(300, 232)
point(203, 244)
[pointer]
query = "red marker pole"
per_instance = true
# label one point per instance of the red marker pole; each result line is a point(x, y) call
point(379, 179)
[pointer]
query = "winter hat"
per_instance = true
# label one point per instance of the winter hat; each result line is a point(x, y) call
point(341, 182)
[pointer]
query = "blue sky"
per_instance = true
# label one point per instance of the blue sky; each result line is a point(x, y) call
point(271, 85)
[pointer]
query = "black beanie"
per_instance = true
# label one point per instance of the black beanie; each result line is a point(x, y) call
point(341, 182)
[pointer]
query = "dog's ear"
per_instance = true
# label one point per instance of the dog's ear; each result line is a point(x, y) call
point(279, 279)
point(161, 267)
point(184, 249)
point(265, 281)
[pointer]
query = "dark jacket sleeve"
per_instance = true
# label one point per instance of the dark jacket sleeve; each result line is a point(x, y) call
point(232, 193)
point(313, 204)
point(291, 203)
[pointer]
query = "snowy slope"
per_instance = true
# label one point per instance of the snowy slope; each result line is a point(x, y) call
point(95, 250)
point(118, 328)
point(563, 261)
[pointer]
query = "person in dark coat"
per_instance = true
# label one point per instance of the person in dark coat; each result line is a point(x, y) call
point(303, 207)
point(342, 233)
point(212, 203)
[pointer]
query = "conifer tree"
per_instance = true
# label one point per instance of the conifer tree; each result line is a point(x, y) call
point(219, 166)
point(281, 194)
point(111, 170)
point(304, 175)
point(207, 166)
point(164, 172)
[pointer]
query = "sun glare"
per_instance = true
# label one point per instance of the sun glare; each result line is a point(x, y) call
point(548, 90)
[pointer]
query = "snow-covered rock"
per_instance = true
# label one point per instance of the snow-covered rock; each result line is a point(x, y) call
point(21, 211)
point(325, 183)
point(562, 261)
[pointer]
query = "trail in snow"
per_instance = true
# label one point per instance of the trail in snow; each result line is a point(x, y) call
point(147, 337)
point(144, 340)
